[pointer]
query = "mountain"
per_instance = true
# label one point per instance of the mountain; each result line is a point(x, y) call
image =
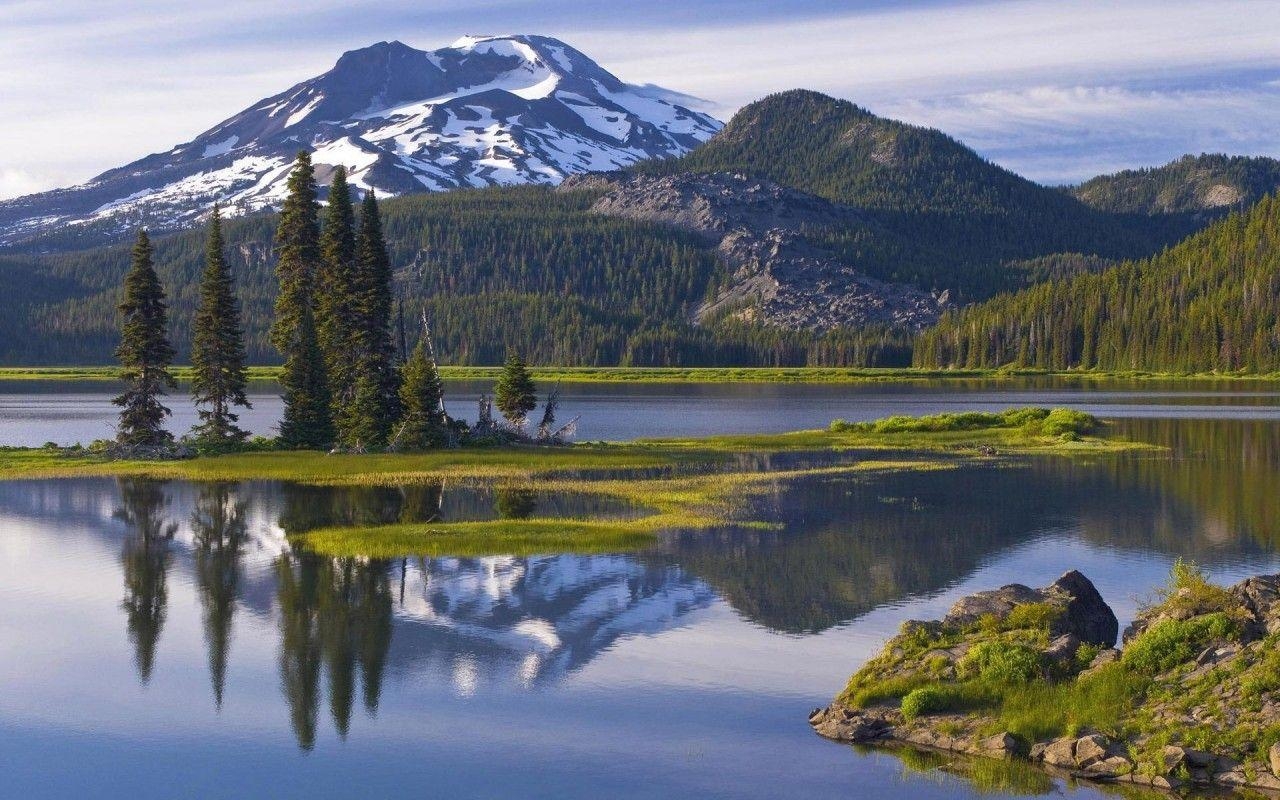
point(954, 221)
point(1204, 184)
point(487, 110)
point(1210, 304)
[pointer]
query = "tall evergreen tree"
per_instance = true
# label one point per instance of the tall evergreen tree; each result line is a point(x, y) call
point(337, 312)
point(422, 399)
point(308, 420)
point(217, 349)
point(375, 404)
point(515, 392)
point(144, 353)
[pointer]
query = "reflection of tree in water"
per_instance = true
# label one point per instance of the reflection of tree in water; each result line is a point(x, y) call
point(310, 507)
point(219, 534)
point(334, 613)
point(146, 560)
point(849, 545)
point(515, 503)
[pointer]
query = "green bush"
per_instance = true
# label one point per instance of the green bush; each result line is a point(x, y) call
point(926, 700)
point(1171, 642)
point(1064, 421)
point(1002, 663)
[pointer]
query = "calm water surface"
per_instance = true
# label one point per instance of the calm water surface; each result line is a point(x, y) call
point(163, 640)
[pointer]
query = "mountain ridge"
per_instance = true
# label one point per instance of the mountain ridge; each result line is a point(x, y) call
point(486, 110)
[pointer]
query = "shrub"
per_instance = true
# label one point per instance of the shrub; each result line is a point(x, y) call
point(940, 697)
point(1064, 421)
point(1002, 663)
point(1036, 616)
point(1171, 642)
point(926, 700)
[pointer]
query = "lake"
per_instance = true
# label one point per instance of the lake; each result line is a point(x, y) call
point(161, 639)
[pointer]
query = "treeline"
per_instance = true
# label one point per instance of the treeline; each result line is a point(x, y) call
point(1192, 184)
point(520, 268)
point(1210, 304)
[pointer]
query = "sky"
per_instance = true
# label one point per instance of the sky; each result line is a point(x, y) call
point(1057, 91)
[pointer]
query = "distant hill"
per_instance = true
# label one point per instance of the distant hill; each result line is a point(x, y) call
point(1212, 303)
point(1204, 184)
point(962, 215)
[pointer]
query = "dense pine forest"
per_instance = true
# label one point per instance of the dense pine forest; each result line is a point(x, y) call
point(1192, 184)
point(527, 268)
point(1210, 304)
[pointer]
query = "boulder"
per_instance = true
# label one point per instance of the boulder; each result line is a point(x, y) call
point(993, 602)
point(848, 725)
point(1004, 745)
point(1062, 649)
point(1060, 753)
point(1261, 597)
point(1274, 757)
point(1091, 749)
point(1085, 615)
point(1088, 616)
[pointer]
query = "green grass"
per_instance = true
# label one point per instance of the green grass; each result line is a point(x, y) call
point(851, 375)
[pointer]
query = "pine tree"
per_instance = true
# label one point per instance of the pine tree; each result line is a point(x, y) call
point(375, 406)
point(217, 350)
point(144, 353)
point(337, 314)
point(422, 398)
point(308, 420)
point(515, 392)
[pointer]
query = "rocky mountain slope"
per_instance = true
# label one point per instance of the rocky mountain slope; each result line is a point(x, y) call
point(1204, 184)
point(487, 110)
point(762, 234)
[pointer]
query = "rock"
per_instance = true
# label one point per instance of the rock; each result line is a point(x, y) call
point(1115, 766)
point(1085, 614)
point(1037, 751)
point(1006, 745)
point(849, 725)
point(1060, 753)
point(994, 602)
point(1273, 755)
point(1088, 615)
point(1176, 758)
point(1063, 648)
point(1108, 656)
point(1260, 596)
point(1091, 749)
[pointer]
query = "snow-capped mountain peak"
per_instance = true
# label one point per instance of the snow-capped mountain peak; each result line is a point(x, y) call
point(486, 110)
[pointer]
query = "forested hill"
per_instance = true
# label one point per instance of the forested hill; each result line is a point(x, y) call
point(522, 267)
point(923, 186)
point(1210, 304)
point(1204, 184)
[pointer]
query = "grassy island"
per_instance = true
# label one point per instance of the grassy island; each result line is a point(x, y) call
point(674, 483)
point(1193, 697)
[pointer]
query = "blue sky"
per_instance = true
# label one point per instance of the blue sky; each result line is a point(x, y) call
point(1057, 91)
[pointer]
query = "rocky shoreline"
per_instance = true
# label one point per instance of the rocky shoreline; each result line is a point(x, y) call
point(1192, 698)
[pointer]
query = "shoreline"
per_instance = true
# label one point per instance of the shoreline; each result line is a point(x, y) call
point(692, 375)
point(1034, 677)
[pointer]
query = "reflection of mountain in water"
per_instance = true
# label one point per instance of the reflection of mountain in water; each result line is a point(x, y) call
point(345, 623)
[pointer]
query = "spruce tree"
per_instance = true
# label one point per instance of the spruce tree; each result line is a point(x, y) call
point(515, 392)
point(217, 350)
point(308, 420)
point(422, 398)
point(337, 314)
point(375, 405)
point(144, 353)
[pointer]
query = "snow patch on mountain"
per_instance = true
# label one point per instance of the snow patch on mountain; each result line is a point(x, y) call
point(487, 110)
